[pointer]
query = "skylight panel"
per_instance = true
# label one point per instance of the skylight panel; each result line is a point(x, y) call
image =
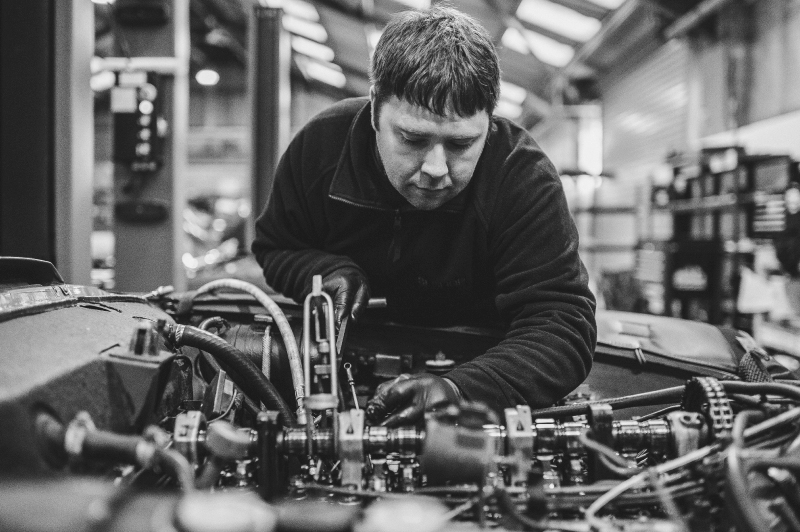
point(512, 93)
point(608, 4)
point(544, 48)
point(305, 28)
point(312, 49)
point(558, 19)
point(301, 9)
point(416, 4)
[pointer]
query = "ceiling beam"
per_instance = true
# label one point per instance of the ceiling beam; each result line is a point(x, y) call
point(563, 39)
point(584, 8)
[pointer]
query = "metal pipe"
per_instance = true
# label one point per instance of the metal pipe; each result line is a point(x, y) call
point(693, 18)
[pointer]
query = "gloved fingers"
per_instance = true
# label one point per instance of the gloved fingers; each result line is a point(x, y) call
point(342, 302)
point(406, 416)
point(378, 407)
point(360, 301)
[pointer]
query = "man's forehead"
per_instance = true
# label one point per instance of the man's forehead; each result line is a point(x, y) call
point(414, 117)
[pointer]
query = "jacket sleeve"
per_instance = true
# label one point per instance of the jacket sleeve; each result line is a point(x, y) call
point(290, 232)
point(542, 293)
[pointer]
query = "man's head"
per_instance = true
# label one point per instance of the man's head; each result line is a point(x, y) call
point(435, 82)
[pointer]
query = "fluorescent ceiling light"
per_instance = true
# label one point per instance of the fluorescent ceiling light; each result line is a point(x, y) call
point(416, 4)
point(328, 73)
point(305, 28)
point(207, 77)
point(548, 50)
point(103, 1)
point(512, 93)
point(312, 49)
point(608, 4)
point(508, 109)
point(544, 48)
point(514, 40)
point(559, 19)
point(301, 9)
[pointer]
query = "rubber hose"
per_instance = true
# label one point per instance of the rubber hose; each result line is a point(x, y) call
point(747, 516)
point(290, 342)
point(741, 422)
point(243, 368)
point(755, 388)
point(102, 445)
point(658, 397)
point(177, 465)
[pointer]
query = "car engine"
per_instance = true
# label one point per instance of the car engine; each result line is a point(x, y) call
point(230, 409)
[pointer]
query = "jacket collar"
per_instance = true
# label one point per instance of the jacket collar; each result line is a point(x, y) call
point(360, 179)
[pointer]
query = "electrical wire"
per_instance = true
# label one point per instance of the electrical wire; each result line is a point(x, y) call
point(658, 397)
point(740, 423)
point(667, 502)
point(506, 504)
point(460, 509)
point(227, 410)
point(591, 513)
point(771, 423)
point(602, 450)
point(762, 388)
point(658, 413)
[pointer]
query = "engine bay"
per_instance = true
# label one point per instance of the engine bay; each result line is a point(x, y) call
point(230, 409)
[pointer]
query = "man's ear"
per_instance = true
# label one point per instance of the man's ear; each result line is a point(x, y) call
point(373, 105)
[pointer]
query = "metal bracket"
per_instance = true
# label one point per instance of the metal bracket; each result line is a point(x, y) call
point(519, 430)
point(351, 447)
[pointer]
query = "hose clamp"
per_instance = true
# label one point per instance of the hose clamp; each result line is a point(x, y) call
point(179, 334)
point(76, 433)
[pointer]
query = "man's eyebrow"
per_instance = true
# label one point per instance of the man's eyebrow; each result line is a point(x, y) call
point(417, 133)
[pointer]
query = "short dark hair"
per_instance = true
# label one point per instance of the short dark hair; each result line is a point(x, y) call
point(440, 59)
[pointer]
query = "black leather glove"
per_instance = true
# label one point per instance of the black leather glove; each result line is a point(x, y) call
point(349, 291)
point(408, 397)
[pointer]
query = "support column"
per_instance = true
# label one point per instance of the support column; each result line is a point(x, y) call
point(74, 139)
point(149, 204)
point(270, 90)
point(26, 129)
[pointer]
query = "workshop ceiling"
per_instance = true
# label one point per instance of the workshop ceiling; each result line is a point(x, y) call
point(550, 50)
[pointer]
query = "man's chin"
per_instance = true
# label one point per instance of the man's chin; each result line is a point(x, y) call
point(427, 202)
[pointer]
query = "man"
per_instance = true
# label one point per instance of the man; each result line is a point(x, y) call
point(419, 195)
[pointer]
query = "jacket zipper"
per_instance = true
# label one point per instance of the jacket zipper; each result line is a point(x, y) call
point(355, 204)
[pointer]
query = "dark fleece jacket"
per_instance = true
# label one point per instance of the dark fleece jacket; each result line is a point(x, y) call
point(503, 252)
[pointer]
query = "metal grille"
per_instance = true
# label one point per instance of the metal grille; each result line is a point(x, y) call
point(645, 108)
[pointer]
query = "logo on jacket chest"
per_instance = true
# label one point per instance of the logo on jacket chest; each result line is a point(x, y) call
point(441, 284)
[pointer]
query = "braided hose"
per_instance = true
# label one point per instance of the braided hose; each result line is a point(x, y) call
point(283, 326)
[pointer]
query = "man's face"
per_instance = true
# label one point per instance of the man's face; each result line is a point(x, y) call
point(428, 158)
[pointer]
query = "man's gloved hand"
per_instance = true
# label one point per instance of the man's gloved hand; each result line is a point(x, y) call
point(349, 291)
point(408, 397)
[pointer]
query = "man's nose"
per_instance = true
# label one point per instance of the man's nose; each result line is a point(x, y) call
point(435, 164)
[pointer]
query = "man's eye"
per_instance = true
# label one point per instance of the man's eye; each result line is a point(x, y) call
point(460, 145)
point(411, 141)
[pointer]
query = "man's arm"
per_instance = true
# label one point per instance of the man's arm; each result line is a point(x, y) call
point(290, 234)
point(542, 290)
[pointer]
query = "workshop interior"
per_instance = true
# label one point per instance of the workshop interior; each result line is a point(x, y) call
point(150, 379)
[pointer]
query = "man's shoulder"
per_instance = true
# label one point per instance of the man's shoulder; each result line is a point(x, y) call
point(340, 114)
point(513, 153)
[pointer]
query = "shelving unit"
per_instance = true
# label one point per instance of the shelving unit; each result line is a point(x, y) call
point(723, 204)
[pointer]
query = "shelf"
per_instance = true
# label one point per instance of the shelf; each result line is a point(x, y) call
point(715, 203)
